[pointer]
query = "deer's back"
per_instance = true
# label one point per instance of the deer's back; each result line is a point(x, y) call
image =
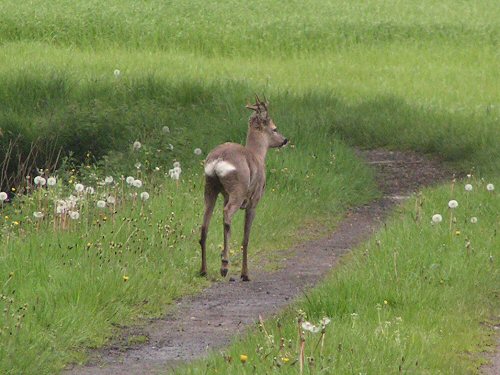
point(237, 169)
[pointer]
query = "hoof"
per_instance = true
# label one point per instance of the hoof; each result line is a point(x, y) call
point(223, 272)
point(245, 278)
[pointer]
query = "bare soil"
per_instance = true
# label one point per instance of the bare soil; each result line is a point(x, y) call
point(208, 321)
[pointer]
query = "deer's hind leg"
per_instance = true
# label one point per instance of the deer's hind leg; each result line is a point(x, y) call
point(231, 205)
point(249, 216)
point(210, 199)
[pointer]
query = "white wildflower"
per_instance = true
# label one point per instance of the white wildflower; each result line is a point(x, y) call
point(437, 218)
point(51, 181)
point(62, 207)
point(38, 214)
point(144, 195)
point(473, 220)
point(137, 145)
point(101, 204)
point(325, 321)
point(307, 326)
point(468, 187)
point(3, 196)
point(197, 151)
point(137, 183)
point(108, 180)
point(490, 187)
point(453, 203)
point(174, 174)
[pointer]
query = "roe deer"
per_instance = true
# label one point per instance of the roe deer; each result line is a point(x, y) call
point(239, 173)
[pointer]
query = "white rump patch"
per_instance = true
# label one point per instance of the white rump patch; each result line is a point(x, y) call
point(219, 167)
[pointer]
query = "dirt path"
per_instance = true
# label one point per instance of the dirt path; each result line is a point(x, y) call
point(208, 321)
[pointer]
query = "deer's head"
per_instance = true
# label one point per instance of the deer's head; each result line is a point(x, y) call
point(261, 122)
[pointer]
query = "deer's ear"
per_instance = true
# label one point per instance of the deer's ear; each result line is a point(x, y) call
point(252, 107)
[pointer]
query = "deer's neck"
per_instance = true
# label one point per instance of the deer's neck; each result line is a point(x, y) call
point(257, 144)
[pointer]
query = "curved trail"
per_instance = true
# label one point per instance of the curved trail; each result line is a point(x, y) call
point(209, 320)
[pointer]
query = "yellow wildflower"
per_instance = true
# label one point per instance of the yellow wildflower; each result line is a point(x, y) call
point(125, 278)
point(243, 358)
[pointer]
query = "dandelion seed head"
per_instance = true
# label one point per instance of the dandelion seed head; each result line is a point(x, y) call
point(117, 73)
point(437, 218)
point(144, 196)
point(490, 187)
point(89, 190)
point(3, 196)
point(108, 179)
point(74, 215)
point(79, 188)
point(101, 204)
point(137, 145)
point(468, 187)
point(453, 204)
point(138, 165)
point(51, 181)
point(38, 215)
point(170, 146)
point(473, 220)
point(308, 326)
point(177, 164)
point(197, 151)
point(165, 129)
point(137, 183)
point(110, 199)
point(130, 180)
point(325, 321)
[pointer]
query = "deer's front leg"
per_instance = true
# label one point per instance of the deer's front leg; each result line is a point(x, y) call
point(249, 216)
point(229, 210)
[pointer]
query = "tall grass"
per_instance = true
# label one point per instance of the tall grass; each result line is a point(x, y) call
point(235, 28)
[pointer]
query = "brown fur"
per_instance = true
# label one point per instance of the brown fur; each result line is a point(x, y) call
point(241, 186)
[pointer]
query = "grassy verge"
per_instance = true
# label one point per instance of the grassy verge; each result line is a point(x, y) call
point(412, 300)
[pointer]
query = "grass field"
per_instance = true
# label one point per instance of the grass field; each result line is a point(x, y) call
point(400, 74)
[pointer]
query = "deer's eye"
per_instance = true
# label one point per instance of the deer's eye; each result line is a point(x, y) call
point(275, 130)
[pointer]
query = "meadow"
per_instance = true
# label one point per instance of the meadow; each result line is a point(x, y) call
point(90, 78)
